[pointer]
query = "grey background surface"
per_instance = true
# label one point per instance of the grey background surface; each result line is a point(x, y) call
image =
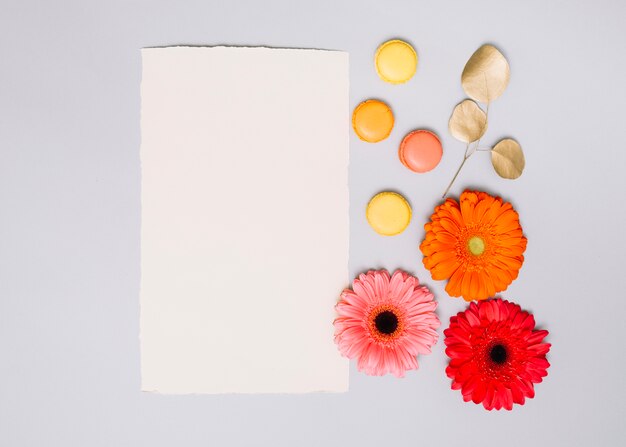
point(69, 233)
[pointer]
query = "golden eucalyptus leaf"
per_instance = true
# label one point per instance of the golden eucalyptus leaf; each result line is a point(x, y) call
point(486, 74)
point(507, 159)
point(468, 121)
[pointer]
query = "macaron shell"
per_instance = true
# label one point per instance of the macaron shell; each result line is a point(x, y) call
point(372, 120)
point(388, 213)
point(420, 151)
point(396, 61)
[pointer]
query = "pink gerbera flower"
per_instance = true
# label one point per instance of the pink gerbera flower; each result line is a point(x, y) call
point(386, 322)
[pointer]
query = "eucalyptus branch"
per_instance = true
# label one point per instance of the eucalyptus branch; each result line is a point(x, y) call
point(468, 154)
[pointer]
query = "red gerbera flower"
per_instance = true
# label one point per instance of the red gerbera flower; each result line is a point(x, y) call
point(496, 355)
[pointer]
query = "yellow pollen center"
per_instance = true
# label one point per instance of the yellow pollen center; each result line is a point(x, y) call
point(476, 245)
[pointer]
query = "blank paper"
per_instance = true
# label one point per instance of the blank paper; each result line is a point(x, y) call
point(244, 232)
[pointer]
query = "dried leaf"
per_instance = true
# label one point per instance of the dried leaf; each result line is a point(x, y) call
point(507, 159)
point(486, 74)
point(468, 121)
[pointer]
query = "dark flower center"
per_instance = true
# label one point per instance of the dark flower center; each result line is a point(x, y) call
point(386, 322)
point(498, 354)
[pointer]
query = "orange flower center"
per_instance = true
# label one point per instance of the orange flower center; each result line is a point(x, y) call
point(385, 323)
point(476, 245)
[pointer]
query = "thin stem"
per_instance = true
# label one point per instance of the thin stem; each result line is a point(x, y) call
point(469, 150)
point(457, 172)
point(468, 154)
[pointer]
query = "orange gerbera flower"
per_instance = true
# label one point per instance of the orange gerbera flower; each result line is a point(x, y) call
point(476, 244)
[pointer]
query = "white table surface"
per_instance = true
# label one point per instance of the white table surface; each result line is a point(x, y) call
point(69, 232)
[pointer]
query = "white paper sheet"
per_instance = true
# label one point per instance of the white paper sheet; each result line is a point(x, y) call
point(244, 234)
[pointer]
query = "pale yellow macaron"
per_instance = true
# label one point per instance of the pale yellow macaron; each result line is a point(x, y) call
point(396, 61)
point(388, 213)
point(372, 120)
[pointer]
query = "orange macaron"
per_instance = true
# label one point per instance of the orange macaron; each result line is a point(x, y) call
point(372, 120)
point(420, 151)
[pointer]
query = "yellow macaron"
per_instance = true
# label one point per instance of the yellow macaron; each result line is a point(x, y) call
point(396, 61)
point(388, 213)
